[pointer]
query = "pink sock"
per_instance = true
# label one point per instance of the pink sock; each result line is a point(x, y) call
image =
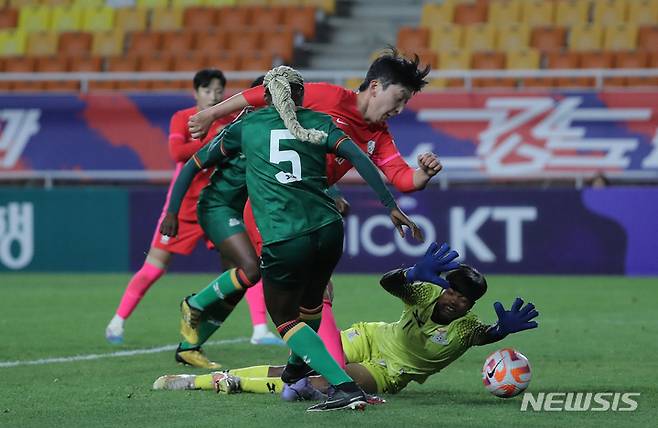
point(330, 334)
point(256, 303)
point(137, 287)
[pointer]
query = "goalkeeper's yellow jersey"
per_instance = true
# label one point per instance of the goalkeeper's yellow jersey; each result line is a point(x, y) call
point(415, 346)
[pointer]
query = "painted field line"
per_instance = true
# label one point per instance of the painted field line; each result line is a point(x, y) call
point(128, 353)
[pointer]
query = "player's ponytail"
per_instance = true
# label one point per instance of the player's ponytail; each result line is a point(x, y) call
point(278, 81)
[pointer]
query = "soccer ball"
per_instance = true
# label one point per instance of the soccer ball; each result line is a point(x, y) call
point(506, 373)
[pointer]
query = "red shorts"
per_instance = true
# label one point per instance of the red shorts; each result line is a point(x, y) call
point(189, 234)
point(252, 229)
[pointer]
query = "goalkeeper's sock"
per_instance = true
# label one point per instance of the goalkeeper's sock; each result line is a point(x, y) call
point(228, 283)
point(261, 385)
point(137, 287)
point(330, 334)
point(204, 382)
point(254, 371)
point(303, 341)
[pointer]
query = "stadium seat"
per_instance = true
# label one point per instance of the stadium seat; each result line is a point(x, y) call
point(278, 44)
point(145, 42)
point(548, 39)
point(233, 18)
point(470, 13)
point(301, 20)
point(166, 19)
point(12, 43)
point(643, 12)
point(599, 59)
point(86, 63)
point(586, 37)
point(427, 57)
point(434, 14)
point(34, 18)
point(512, 36)
point(198, 18)
point(480, 37)
point(177, 41)
point(537, 13)
point(131, 19)
point(609, 12)
point(55, 64)
point(256, 62)
point(490, 61)
point(41, 44)
point(210, 41)
point(620, 37)
point(223, 60)
point(572, 12)
point(244, 41)
point(86, 4)
point(98, 19)
point(504, 12)
point(458, 59)
point(189, 61)
point(446, 37)
point(648, 38)
point(66, 19)
point(353, 83)
point(74, 44)
point(631, 60)
point(8, 19)
point(219, 3)
point(411, 39)
point(122, 63)
point(287, 3)
point(566, 61)
point(108, 43)
point(186, 3)
point(22, 65)
point(266, 18)
point(252, 2)
point(153, 63)
point(17, 4)
point(525, 59)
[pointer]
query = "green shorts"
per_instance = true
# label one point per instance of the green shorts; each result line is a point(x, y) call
point(306, 260)
point(360, 347)
point(220, 222)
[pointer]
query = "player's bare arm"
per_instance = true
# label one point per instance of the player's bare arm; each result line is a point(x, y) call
point(199, 124)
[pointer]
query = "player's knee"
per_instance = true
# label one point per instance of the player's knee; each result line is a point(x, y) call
point(251, 272)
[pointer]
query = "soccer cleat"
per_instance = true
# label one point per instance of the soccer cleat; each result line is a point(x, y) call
point(268, 338)
point(196, 358)
point(374, 399)
point(303, 390)
point(175, 382)
point(225, 383)
point(190, 318)
point(114, 336)
point(292, 373)
point(340, 399)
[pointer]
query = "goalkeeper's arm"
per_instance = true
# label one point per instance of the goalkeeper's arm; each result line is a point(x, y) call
point(396, 283)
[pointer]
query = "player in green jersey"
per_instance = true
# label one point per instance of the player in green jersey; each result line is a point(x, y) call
point(286, 147)
point(436, 328)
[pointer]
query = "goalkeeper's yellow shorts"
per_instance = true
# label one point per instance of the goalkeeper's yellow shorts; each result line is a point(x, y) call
point(359, 347)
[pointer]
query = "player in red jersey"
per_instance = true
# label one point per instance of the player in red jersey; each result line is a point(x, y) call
point(389, 83)
point(208, 90)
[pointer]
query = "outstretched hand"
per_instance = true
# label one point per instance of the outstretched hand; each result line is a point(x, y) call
point(518, 318)
point(437, 259)
point(400, 219)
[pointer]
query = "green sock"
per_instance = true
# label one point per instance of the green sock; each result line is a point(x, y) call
point(224, 285)
point(315, 325)
point(216, 315)
point(302, 340)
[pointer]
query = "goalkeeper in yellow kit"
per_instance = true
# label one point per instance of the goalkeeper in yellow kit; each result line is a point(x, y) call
point(435, 328)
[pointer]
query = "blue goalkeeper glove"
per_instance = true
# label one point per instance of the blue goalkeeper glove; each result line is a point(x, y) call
point(435, 261)
point(517, 319)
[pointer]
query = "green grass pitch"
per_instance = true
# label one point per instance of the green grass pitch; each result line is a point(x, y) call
point(596, 334)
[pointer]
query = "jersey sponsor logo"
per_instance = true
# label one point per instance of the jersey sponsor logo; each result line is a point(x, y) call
point(440, 337)
point(371, 147)
point(232, 222)
point(16, 234)
point(271, 387)
point(352, 334)
point(17, 126)
point(341, 121)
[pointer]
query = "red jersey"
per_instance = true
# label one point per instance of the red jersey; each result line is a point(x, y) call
point(374, 139)
point(181, 148)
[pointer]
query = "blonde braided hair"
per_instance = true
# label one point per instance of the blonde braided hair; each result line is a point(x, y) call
point(278, 81)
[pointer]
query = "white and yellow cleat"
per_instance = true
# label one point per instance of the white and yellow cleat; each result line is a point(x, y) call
point(225, 383)
point(196, 358)
point(175, 382)
point(189, 323)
